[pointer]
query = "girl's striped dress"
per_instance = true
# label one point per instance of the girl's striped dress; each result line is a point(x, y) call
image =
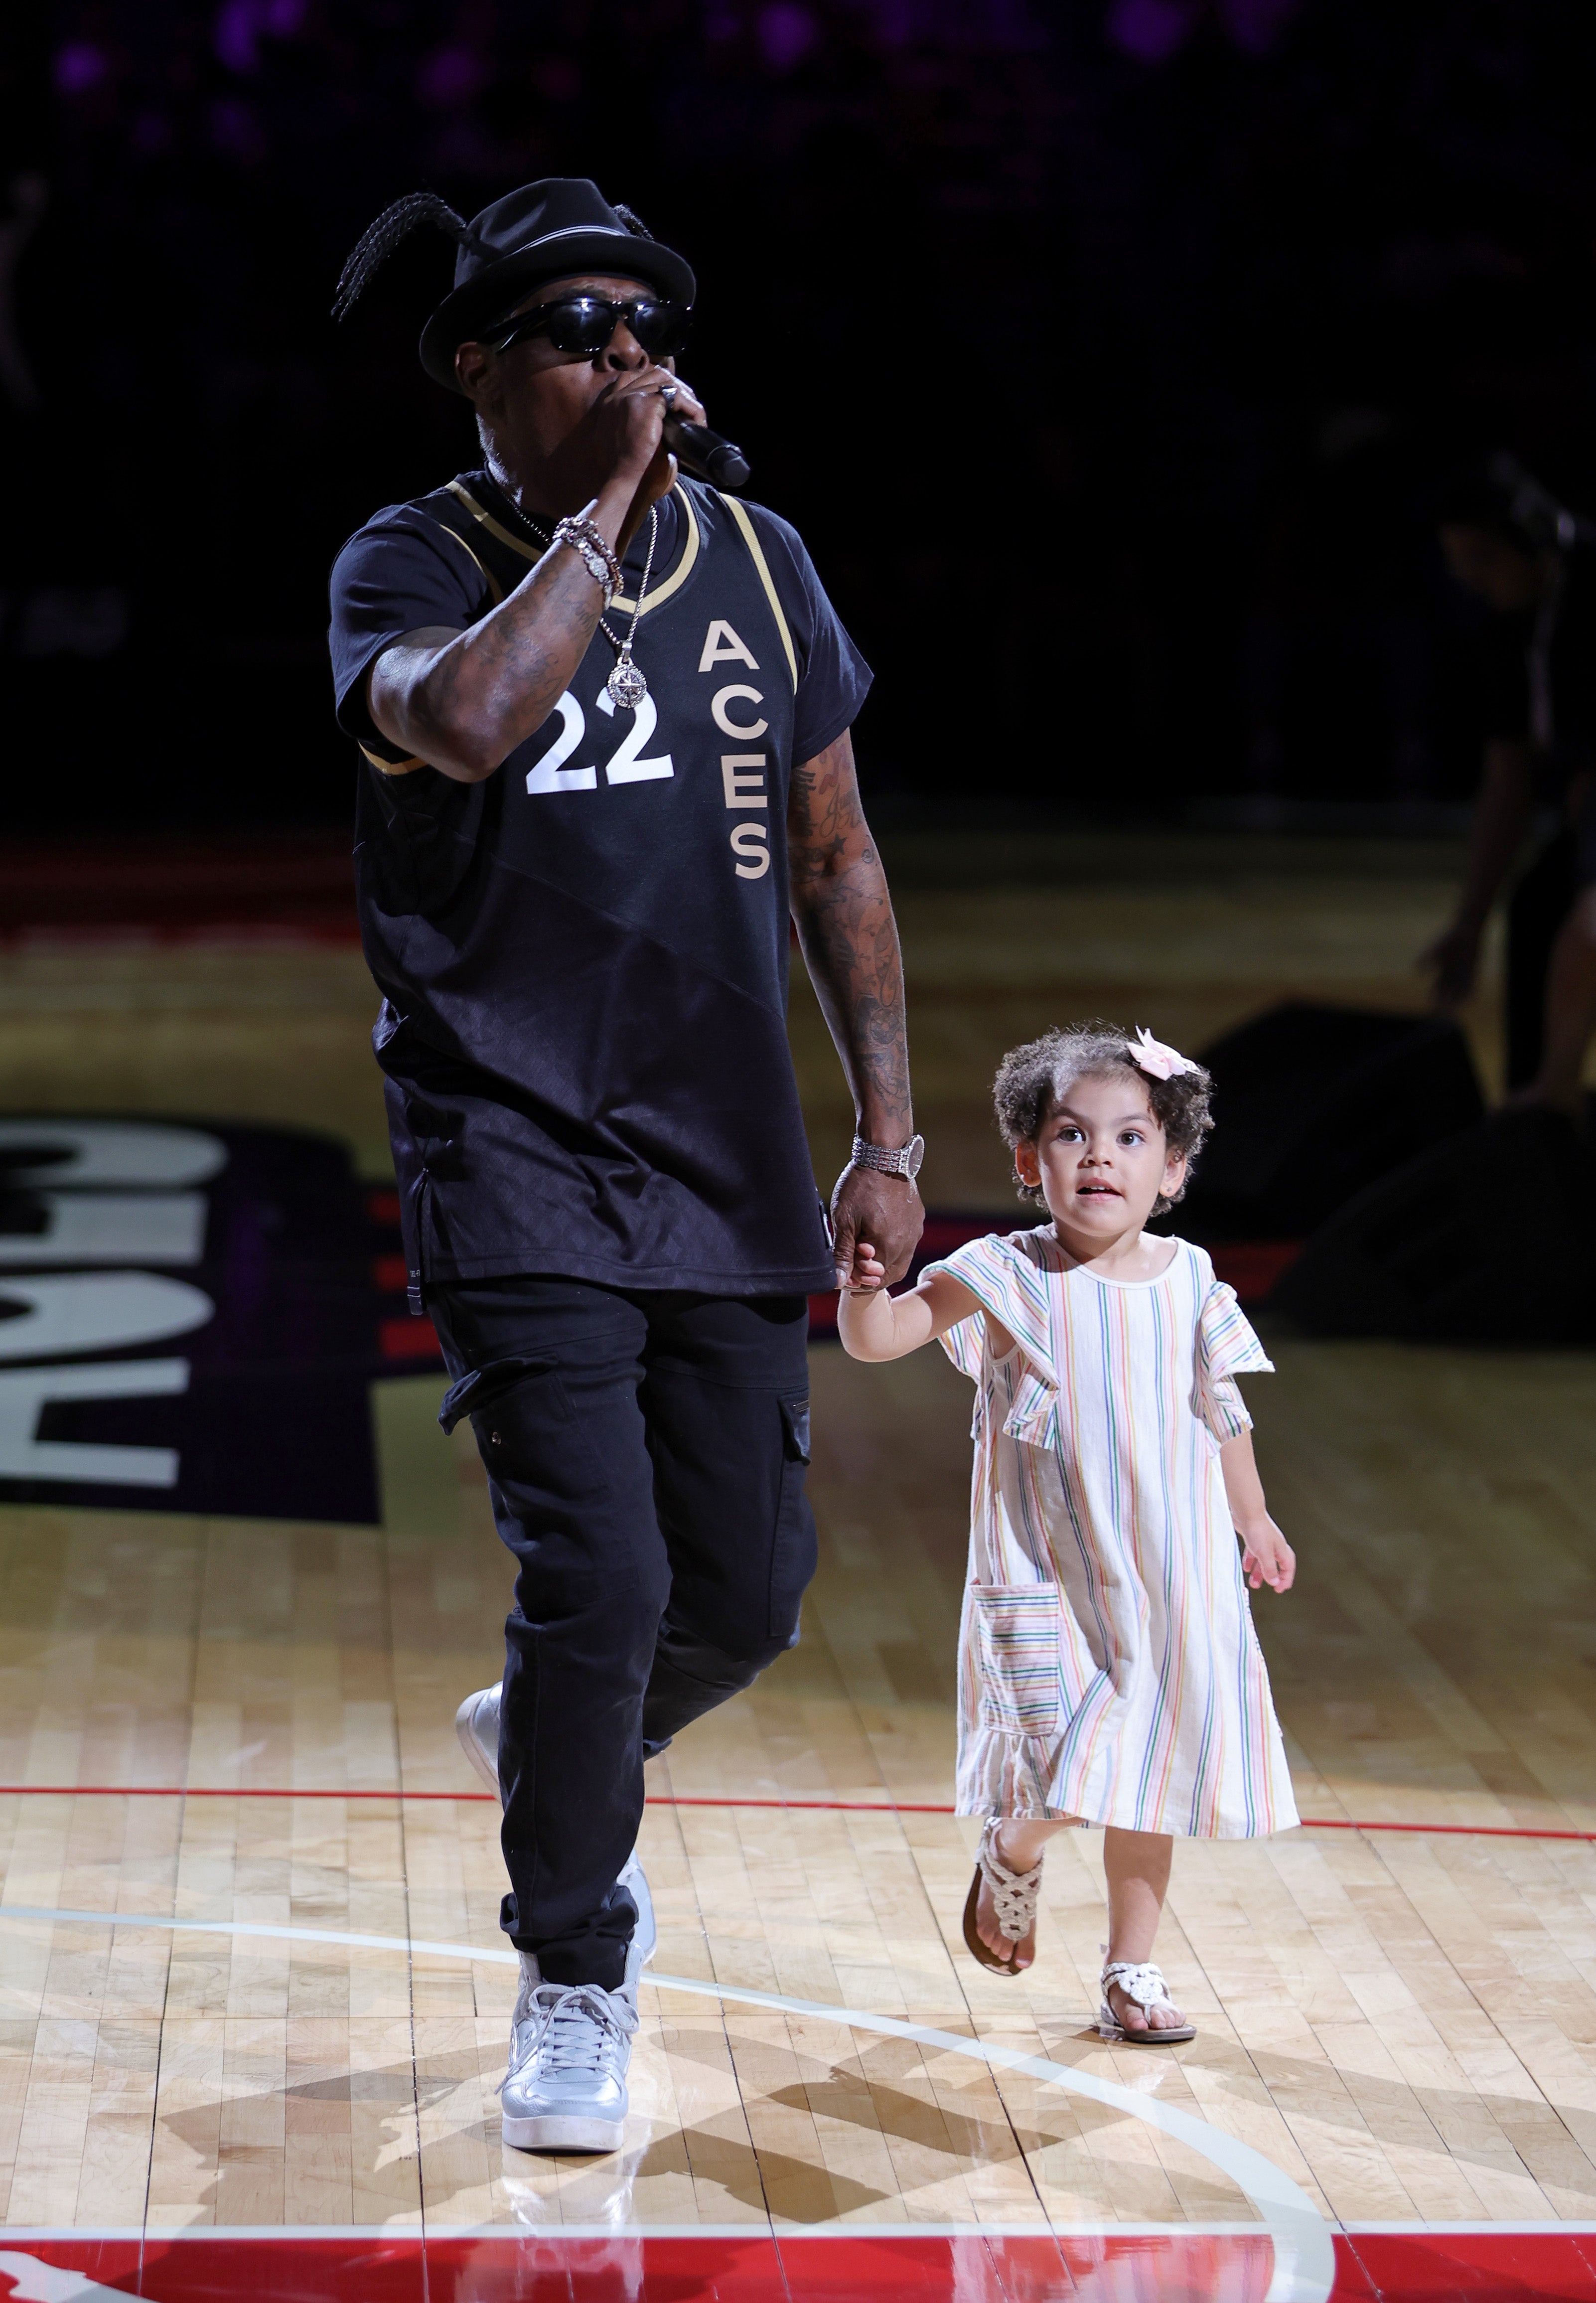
point(1108, 1667)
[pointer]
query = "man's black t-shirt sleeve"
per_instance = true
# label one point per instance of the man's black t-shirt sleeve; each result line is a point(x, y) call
point(401, 573)
point(833, 678)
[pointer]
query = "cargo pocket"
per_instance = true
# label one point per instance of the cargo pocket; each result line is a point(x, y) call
point(1017, 1654)
point(532, 1441)
point(555, 1496)
point(794, 1551)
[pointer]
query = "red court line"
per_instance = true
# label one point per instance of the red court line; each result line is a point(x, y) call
point(660, 1799)
point(288, 1792)
point(209, 1790)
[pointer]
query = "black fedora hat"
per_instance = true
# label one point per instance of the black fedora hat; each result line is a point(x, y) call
point(559, 226)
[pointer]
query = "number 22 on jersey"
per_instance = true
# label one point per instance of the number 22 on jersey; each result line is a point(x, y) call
point(625, 765)
point(743, 773)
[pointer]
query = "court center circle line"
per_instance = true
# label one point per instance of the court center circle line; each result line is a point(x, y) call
point(1304, 2253)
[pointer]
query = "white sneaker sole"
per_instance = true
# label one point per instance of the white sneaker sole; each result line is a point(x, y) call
point(549, 2132)
point(464, 1728)
point(647, 1937)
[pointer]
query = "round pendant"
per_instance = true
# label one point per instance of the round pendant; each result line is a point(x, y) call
point(626, 685)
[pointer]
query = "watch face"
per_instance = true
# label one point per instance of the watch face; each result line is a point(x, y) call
point(916, 1148)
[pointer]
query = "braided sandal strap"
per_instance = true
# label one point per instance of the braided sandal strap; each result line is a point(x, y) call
point(1141, 1981)
point(1015, 1894)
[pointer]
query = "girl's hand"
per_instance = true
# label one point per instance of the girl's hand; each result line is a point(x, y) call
point(876, 1325)
point(1267, 1558)
point(869, 1273)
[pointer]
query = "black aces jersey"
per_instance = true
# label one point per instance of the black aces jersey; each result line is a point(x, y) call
point(583, 958)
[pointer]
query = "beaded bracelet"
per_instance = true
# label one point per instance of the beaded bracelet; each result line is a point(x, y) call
point(584, 536)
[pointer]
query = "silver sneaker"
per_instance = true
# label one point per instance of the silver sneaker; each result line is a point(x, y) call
point(646, 1933)
point(476, 1724)
point(570, 2048)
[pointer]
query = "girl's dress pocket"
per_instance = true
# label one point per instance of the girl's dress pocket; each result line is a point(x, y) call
point(1017, 1629)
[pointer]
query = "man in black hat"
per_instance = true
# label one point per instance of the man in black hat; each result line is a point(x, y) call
point(605, 712)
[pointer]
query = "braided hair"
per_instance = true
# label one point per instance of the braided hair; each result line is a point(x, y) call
point(378, 242)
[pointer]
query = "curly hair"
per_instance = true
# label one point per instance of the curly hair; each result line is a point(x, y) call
point(1031, 1079)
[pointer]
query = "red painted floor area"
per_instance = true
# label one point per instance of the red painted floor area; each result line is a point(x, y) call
point(1439, 2267)
point(301, 883)
point(1371, 2267)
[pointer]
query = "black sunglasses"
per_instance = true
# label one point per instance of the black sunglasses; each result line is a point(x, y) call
point(585, 324)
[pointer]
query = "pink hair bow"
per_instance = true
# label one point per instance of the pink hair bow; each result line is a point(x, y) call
point(1151, 1056)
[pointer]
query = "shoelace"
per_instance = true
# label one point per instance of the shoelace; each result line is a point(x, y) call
point(573, 2026)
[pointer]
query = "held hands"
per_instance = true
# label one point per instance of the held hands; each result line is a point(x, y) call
point(1267, 1558)
point(876, 1224)
point(869, 1273)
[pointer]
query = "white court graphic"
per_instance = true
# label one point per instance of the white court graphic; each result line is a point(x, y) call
point(25, 1393)
point(46, 2283)
point(94, 1152)
point(49, 1315)
point(1304, 2255)
point(82, 1228)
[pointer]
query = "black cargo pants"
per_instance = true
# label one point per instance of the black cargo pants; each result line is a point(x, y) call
point(645, 1456)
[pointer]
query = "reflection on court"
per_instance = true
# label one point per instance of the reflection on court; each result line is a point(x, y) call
point(1400, 2023)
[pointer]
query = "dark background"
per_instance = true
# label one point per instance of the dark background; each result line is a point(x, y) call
point(1105, 352)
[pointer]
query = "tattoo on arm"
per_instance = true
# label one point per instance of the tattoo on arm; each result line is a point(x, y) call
point(465, 702)
point(849, 937)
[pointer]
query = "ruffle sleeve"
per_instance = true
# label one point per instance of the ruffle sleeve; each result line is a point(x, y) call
point(1007, 1283)
point(963, 1345)
point(1226, 1347)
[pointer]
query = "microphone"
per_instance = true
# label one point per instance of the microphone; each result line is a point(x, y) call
point(706, 454)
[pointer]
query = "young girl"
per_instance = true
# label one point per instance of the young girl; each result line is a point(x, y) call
point(1108, 1669)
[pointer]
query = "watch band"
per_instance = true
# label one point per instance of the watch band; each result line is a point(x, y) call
point(904, 1161)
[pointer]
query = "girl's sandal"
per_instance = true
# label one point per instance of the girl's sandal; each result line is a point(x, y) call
point(1014, 1898)
point(1144, 1984)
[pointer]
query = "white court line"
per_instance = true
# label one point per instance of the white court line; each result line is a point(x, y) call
point(764, 2233)
point(157, 2235)
point(1304, 2256)
point(1514, 2230)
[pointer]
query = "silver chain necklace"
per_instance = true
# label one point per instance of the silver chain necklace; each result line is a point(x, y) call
point(626, 685)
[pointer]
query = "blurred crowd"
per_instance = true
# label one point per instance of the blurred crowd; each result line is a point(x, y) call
point(1106, 350)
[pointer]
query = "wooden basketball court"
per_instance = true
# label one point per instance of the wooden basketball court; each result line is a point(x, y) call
point(254, 2002)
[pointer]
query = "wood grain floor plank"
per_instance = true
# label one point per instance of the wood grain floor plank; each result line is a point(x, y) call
point(1406, 2026)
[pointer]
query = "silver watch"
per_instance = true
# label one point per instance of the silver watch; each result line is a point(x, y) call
point(904, 1161)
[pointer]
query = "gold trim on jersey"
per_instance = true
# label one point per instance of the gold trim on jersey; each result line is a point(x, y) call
point(739, 512)
point(657, 593)
point(392, 767)
point(660, 593)
point(487, 575)
point(516, 542)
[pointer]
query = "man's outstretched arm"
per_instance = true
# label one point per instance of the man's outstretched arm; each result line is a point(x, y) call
point(850, 942)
